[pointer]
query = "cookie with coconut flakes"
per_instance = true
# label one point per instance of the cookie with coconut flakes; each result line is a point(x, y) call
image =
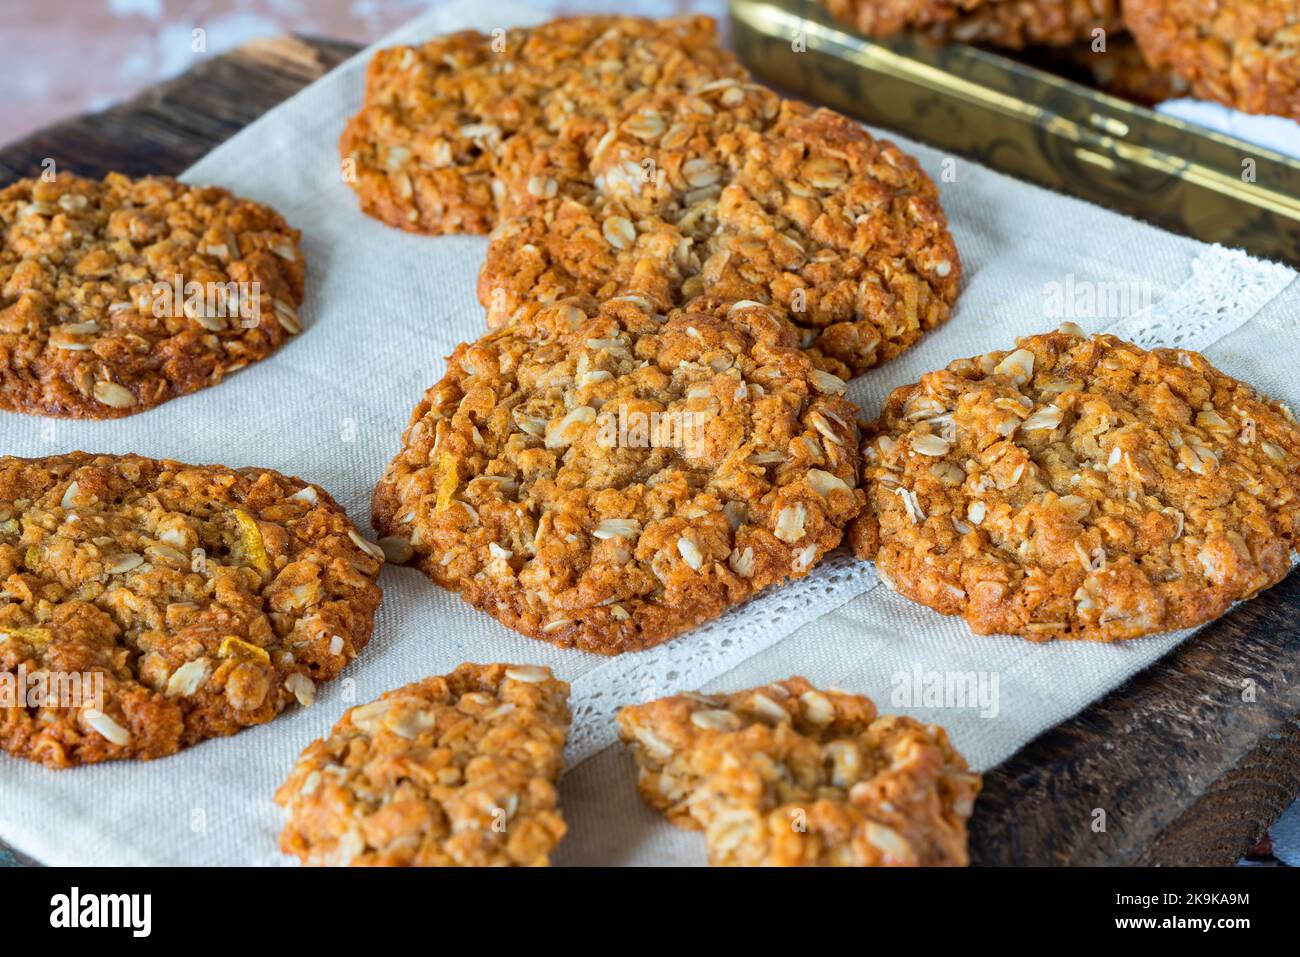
point(117, 295)
point(195, 600)
point(452, 771)
point(807, 213)
point(1080, 487)
point(786, 775)
point(605, 478)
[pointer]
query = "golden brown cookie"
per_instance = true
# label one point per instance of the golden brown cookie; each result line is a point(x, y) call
point(1243, 53)
point(118, 295)
point(605, 478)
point(452, 771)
point(786, 775)
point(809, 213)
point(193, 601)
point(621, 156)
point(1080, 488)
point(453, 128)
point(1005, 23)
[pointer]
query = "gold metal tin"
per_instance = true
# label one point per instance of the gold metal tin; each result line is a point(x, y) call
point(1032, 125)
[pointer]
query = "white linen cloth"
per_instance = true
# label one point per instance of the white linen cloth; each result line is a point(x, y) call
point(383, 309)
point(1279, 133)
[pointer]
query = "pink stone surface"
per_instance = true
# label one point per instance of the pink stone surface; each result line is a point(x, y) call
point(64, 57)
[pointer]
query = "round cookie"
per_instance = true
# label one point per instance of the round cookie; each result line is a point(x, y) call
point(1245, 54)
point(605, 478)
point(173, 602)
point(1080, 488)
point(453, 129)
point(1004, 23)
point(118, 295)
point(806, 212)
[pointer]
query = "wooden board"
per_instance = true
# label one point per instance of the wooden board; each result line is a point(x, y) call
point(1186, 771)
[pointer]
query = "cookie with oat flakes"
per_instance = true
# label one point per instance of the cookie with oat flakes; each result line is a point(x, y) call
point(1082, 488)
point(1005, 23)
point(163, 604)
point(1245, 54)
point(787, 775)
point(807, 212)
point(452, 771)
point(605, 478)
point(120, 294)
point(453, 129)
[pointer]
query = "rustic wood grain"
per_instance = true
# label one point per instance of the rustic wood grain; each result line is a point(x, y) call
point(1185, 770)
point(170, 126)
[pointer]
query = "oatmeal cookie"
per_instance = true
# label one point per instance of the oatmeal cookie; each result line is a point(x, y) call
point(118, 295)
point(606, 478)
point(451, 129)
point(1245, 54)
point(452, 771)
point(1005, 23)
point(786, 775)
point(668, 179)
point(809, 213)
point(193, 600)
point(1080, 488)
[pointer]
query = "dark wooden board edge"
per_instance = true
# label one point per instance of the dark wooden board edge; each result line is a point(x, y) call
point(1185, 771)
point(168, 127)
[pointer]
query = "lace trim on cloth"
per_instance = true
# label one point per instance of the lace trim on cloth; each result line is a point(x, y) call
point(1226, 289)
point(692, 661)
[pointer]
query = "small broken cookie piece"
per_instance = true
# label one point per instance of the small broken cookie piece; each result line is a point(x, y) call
point(452, 771)
point(1080, 487)
point(605, 478)
point(118, 295)
point(1245, 54)
point(159, 604)
point(787, 775)
point(456, 128)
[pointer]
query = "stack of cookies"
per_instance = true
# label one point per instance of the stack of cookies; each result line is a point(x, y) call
point(684, 271)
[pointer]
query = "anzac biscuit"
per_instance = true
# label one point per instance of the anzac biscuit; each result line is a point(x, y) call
point(1245, 54)
point(605, 478)
point(615, 166)
point(185, 602)
point(455, 127)
point(810, 213)
point(1005, 23)
point(453, 771)
point(118, 295)
point(1080, 488)
point(786, 775)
